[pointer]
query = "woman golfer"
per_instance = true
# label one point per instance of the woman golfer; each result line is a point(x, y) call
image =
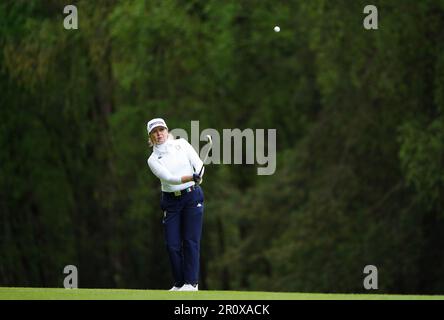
point(175, 163)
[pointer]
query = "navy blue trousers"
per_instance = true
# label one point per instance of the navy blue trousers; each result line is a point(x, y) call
point(183, 217)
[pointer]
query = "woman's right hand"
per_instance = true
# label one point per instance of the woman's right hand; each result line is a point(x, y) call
point(195, 177)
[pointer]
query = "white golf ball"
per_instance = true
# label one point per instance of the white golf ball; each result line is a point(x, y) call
point(277, 29)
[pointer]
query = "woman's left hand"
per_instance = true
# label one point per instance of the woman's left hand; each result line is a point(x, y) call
point(197, 178)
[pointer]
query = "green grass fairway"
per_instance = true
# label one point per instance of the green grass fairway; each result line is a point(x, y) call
point(121, 294)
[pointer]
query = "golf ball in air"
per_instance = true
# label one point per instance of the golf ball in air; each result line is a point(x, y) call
point(277, 29)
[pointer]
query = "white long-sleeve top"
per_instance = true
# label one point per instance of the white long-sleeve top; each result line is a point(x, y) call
point(173, 159)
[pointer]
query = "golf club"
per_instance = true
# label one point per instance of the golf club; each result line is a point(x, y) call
point(210, 143)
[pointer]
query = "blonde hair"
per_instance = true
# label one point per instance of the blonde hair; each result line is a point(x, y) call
point(151, 143)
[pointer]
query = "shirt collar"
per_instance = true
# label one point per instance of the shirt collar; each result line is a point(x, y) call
point(162, 148)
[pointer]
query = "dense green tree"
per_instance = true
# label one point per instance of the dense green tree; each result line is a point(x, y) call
point(360, 131)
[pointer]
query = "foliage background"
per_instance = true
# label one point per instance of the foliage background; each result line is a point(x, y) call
point(360, 140)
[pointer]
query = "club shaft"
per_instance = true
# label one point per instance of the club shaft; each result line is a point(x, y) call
point(206, 156)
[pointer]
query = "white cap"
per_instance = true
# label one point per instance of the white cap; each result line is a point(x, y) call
point(154, 123)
